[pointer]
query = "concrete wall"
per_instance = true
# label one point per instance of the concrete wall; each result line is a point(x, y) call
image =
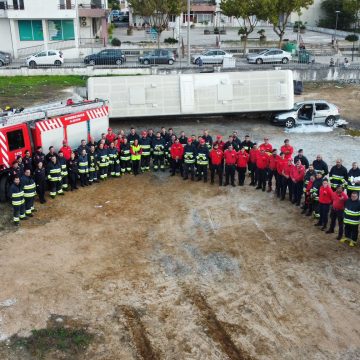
point(6, 43)
point(304, 74)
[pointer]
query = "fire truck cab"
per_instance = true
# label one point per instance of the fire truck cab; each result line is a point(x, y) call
point(47, 126)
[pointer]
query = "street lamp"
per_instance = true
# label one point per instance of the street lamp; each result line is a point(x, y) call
point(188, 33)
point(337, 12)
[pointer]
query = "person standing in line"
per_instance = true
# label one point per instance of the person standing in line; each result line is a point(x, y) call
point(125, 156)
point(262, 162)
point(339, 198)
point(271, 170)
point(83, 168)
point(287, 182)
point(202, 160)
point(17, 201)
point(338, 175)
point(113, 155)
point(352, 219)
point(177, 153)
point(297, 176)
point(308, 203)
point(27, 161)
point(287, 149)
point(247, 144)
point(216, 163)
point(230, 156)
point(73, 170)
point(145, 144)
point(39, 156)
point(92, 159)
point(189, 159)
point(29, 188)
point(241, 164)
point(208, 139)
point(103, 159)
point(325, 200)
point(353, 179)
point(280, 179)
point(40, 181)
point(135, 151)
point(254, 152)
point(64, 172)
point(266, 146)
point(219, 142)
point(300, 156)
point(320, 166)
point(158, 150)
point(54, 176)
point(66, 150)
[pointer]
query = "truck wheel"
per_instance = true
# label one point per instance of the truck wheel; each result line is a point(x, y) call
point(330, 121)
point(285, 60)
point(259, 61)
point(4, 186)
point(289, 123)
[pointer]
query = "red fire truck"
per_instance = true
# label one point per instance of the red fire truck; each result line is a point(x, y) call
point(48, 126)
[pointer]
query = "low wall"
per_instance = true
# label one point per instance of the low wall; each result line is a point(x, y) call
point(323, 73)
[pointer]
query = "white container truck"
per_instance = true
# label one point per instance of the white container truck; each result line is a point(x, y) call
point(195, 94)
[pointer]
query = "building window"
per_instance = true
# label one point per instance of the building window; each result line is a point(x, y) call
point(203, 17)
point(61, 29)
point(31, 30)
point(15, 140)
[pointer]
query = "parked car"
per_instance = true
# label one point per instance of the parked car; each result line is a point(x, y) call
point(158, 56)
point(106, 57)
point(50, 57)
point(212, 56)
point(269, 56)
point(308, 112)
point(5, 58)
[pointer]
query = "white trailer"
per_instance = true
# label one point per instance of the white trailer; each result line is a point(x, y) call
point(195, 94)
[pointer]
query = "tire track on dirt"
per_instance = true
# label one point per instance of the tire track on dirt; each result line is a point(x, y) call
point(216, 331)
point(142, 343)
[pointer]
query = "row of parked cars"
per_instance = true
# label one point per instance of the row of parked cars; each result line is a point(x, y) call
point(158, 56)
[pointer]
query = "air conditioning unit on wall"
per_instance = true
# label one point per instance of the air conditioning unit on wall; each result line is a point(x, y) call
point(83, 22)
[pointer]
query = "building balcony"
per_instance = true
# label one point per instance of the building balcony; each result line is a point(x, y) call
point(94, 9)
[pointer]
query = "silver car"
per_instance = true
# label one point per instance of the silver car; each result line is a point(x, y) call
point(213, 56)
point(308, 112)
point(269, 56)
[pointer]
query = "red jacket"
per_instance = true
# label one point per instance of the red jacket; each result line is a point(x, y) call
point(110, 138)
point(287, 170)
point(266, 147)
point(66, 151)
point(325, 195)
point(220, 143)
point(280, 165)
point(273, 160)
point(177, 151)
point(297, 173)
point(242, 159)
point(338, 201)
point(309, 187)
point(230, 157)
point(253, 155)
point(216, 156)
point(262, 161)
point(287, 150)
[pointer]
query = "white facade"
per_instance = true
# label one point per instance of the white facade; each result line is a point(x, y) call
point(28, 26)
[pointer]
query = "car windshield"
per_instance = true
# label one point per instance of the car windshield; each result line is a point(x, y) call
point(262, 52)
point(297, 106)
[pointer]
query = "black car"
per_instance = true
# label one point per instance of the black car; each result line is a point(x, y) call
point(106, 57)
point(158, 57)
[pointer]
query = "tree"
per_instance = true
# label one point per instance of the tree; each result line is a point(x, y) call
point(346, 17)
point(279, 11)
point(114, 5)
point(247, 11)
point(158, 12)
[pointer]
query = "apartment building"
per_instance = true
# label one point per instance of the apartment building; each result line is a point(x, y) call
point(27, 26)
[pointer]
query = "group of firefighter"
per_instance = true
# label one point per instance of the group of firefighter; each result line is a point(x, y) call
point(193, 157)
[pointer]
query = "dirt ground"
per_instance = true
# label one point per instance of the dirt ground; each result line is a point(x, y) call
point(160, 268)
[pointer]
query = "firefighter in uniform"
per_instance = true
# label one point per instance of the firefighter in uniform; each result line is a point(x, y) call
point(103, 161)
point(73, 167)
point(315, 194)
point(125, 163)
point(241, 164)
point(132, 136)
point(247, 144)
point(64, 172)
point(92, 160)
point(54, 176)
point(83, 168)
point(27, 161)
point(135, 151)
point(38, 156)
point(167, 150)
point(158, 146)
point(297, 176)
point(202, 160)
point(253, 154)
point(189, 159)
point(145, 144)
point(40, 181)
point(208, 139)
point(338, 175)
point(320, 166)
point(216, 164)
point(353, 179)
point(29, 187)
point(113, 156)
point(352, 219)
point(230, 156)
point(17, 200)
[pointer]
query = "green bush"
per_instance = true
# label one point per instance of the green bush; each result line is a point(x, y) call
point(170, 40)
point(352, 38)
point(115, 42)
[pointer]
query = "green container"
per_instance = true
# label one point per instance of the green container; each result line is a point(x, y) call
point(290, 47)
point(304, 57)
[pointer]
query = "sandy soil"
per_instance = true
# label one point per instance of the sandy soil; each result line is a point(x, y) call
point(159, 268)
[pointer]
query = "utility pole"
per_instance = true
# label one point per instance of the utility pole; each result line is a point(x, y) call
point(188, 33)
